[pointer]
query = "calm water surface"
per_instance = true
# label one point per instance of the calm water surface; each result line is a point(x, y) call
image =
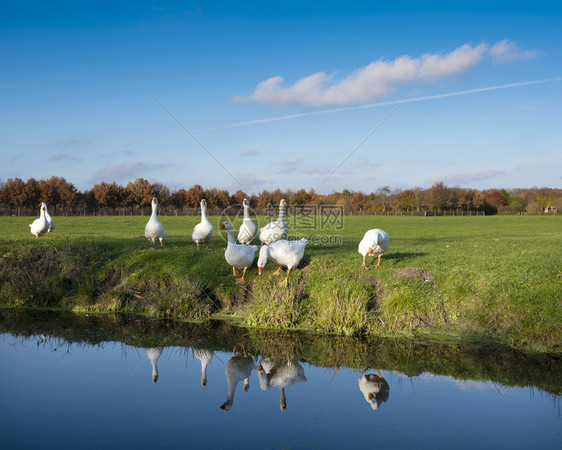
point(55, 393)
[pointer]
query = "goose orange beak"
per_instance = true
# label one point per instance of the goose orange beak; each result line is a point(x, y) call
point(222, 225)
point(260, 269)
point(370, 251)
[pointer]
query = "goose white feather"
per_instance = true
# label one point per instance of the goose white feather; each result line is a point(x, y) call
point(374, 388)
point(239, 256)
point(248, 230)
point(154, 230)
point(277, 229)
point(239, 367)
point(39, 226)
point(203, 231)
point(279, 376)
point(375, 242)
point(50, 220)
point(284, 253)
point(205, 356)
point(153, 354)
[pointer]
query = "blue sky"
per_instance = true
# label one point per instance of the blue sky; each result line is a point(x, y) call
point(281, 93)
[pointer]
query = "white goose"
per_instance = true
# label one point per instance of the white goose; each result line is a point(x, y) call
point(203, 232)
point(375, 242)
point(283, 252)
point(39, 226)
point(249, 230)
point(154, 229)
point(375, 389)
point(276, 230)
point(153, 354)
point(50, 220)
point(280, 376)
point(239, 256)
point(205, 357)
point(237, 368)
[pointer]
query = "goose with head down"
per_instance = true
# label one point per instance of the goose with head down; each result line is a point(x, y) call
point(39, 226)
point(284, 253)
point(154, 230)
point(203, 231)
point(375, 242)
point(374, 388)
point(239, 256)
point(277, 229)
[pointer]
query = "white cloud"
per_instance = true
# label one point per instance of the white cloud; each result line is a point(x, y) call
point(379, 78)
point(506, 51)
point(125, 171)
point(249, 152)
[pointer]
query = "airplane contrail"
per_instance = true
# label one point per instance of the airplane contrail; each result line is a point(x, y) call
point(393, 102)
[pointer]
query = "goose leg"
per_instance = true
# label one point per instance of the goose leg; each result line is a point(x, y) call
point(278, 271)
point(364, 265)
point(287, 279)
point(379, 263)
point(161, 242)
point(234, 271)
point(241, 280)
point(198, 249)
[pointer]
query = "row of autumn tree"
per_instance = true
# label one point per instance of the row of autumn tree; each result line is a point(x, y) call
point(23, 197)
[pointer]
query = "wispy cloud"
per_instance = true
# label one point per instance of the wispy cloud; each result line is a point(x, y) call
point(506, 51)
point(379, 78)
point(126, 171)
point(62, 156)
point(249, 152)
point(289, 166)
point(392, 102)
point(469, 178)
point(72, 142)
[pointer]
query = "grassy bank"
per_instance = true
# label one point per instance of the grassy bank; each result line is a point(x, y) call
point(497, 277)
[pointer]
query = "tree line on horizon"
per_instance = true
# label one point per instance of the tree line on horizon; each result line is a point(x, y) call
point(18, 197)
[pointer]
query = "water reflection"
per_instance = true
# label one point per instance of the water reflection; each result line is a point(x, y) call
point(153, 354)
point(375, 389)
point(239, 367)
point(46, 393)
point(204, 356)
point(280, 376)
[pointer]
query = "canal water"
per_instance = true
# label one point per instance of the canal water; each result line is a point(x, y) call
point(112, 382)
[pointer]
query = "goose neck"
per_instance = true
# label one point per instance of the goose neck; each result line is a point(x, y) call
point(230, 234)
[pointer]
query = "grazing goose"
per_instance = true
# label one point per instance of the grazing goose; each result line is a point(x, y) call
point(249, 230)
point(276, 230)
point(283, 252)
point(239, 256)
point(279, 376)
point(205, 357)
point(153, 354)
point(375, 389)
point(50, 220)
point(239, 367)
point(375, 242)
point(39, 226)
point(154, 229)
point(203, 232)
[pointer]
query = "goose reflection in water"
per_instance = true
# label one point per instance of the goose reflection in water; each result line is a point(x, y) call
point(279, 376)
point(205, 357)
point(375, 389)
point(153, 354)
point(239, 367)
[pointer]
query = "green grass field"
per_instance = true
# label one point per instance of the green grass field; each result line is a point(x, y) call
point(494, 277)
